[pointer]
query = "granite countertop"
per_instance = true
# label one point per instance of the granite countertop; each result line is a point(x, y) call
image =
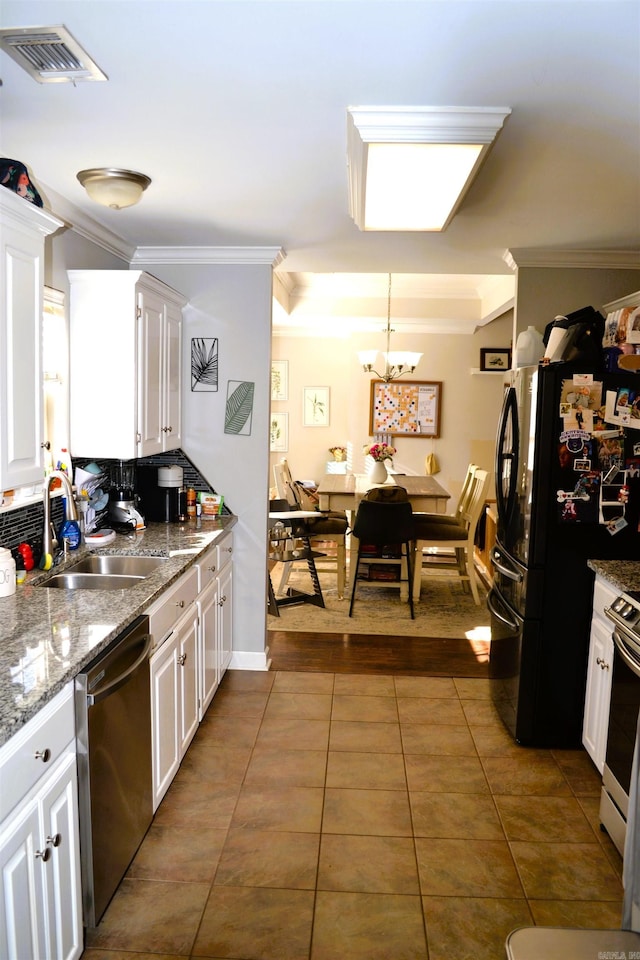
point(47, 636)
point(622, 574)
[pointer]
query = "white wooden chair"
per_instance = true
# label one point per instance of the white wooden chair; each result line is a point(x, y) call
point(450, 546)
point(329, 527)
point(458, 513)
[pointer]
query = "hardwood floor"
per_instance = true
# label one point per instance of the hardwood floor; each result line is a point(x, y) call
point(362, 653)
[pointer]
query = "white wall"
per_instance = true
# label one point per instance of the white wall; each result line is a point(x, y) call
point(470, 402)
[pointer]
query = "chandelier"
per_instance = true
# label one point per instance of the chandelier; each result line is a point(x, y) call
point(397, 363)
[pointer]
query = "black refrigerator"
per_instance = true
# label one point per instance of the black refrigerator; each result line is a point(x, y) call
point(567, 490)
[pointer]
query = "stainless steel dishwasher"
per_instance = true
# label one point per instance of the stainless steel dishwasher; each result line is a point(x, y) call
point(113, 730)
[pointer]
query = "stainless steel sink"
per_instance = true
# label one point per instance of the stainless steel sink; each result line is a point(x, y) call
point(126, 565)
point(104, 573)
point(91, 581)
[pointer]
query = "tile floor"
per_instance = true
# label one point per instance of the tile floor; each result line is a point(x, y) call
point(324, 816)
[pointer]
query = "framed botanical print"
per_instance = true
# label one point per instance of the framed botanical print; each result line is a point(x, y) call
point(279, 379)
point(315, 407)
point(495, 358)
point(279, 432)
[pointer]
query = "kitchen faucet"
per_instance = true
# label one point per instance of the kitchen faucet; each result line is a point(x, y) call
point(49, 541)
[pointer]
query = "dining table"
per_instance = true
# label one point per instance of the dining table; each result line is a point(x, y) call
point(345, 491)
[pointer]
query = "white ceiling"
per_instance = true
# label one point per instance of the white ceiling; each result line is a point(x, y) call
point(237, 112)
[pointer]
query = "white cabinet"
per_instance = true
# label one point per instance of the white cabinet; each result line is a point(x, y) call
point(126, 364)
point(600, 664)
point(174, 701)
point(214, 616)
point(40, 895)
point(23, 229)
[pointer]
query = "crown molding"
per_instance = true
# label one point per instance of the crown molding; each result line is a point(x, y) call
point(273, 256)
point(88, 228)
point(589, 259)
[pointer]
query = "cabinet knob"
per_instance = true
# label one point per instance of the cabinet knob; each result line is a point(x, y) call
point(221, 601)
point(55, 840)
point(602, 663)
point(180, 603)
point(45, 445)
point(212, 569)
point(44, 755)
point(170, 429)
point(182, 659)
point(43, 854)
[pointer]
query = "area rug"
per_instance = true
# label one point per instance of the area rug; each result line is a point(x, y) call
point(444, 610)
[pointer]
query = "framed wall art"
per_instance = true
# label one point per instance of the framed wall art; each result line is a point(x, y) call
point(204, 364)
point(279, 379)
point(315, 406)
point(495, 358)
point(238, 414)
point(279, 432)
point(405, 408)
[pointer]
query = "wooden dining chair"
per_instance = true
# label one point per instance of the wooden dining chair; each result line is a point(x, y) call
point(329, 527)
point(450, 546)
point(465, 493)
point(385, 519)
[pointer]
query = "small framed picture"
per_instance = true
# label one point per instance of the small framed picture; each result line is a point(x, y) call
point(315, 406)
point(279, 432)
point(279, 379)
point(495, 358)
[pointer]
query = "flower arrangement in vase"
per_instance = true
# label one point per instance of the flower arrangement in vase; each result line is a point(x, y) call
point(379, 452)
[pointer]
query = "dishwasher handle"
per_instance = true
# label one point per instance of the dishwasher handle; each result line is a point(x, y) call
point(103, 692)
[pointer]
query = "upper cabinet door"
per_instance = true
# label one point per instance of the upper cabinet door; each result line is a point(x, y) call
point(24, 228)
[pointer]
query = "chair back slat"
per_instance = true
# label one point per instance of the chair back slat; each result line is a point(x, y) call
point(475, 499)
point(465, 493)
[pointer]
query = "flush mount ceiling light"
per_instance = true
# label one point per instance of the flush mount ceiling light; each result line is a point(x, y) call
point(409, 167)
point(397, 362)
point(113, 187)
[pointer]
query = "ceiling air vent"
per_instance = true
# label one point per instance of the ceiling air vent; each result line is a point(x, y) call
point(49, 54)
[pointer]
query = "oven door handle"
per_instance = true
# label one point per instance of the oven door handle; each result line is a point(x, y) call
point(106, 691)
point(633, 664)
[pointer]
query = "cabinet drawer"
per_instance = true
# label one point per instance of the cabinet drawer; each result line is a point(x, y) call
point(47, 734)
point(168, 609)
point(603, 596)
point(210, 565)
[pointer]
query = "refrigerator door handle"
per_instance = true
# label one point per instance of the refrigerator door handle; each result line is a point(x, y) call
point(507, 456)
point(512, 624)
point(508, 572)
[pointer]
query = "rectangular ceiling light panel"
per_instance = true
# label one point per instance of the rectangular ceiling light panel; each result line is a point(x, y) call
point(409, 167)
point(49, 54)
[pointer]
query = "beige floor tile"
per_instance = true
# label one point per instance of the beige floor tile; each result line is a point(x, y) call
point(258, 923)
point(468, 928)
point(467, 868)
point(127, 955)
point(228, 731)
point(186, 853)
point(359, 708)
point(455, 815)
point(364, 685)
point(297, 682)
point(565, 871)
point(203, 762)
point(436, 774)
point(366, 771)
point(494, 741)
point(381, 813)
point(544, 818)
point(447, 739)
point(591, 809)
point(265, 858)
point(580, 771)
point(293, 734)
point(438, 687)
point(526, 774)
point(248, 680)
point(263, 807)
point(430, 710)
point(152, 916)
point(368, 864)
point(473, 688)
point(363, 736)
point(209, 803)
point(481, 712)
point(239, 703)
point(302, 768)
point(591, 914)
point(305, 706)
point(364, 926)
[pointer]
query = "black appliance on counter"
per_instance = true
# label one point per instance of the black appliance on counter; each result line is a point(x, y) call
point(567, 489)
point(159, 489)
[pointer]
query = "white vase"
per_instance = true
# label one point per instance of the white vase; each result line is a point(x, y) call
point(378, 472)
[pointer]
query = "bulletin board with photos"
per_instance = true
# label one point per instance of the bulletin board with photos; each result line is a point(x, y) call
point(405, 408)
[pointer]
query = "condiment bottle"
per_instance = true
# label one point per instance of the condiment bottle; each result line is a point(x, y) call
point(191, 502)
point(7, 573)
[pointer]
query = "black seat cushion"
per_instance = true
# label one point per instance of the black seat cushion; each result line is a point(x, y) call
point(428, 529)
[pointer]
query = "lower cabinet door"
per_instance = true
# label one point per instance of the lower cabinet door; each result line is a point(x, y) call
point(598, 693)
point(225, 625)
point(23, 922)
point(208, 645)
point(165, 707)
point(188, 677)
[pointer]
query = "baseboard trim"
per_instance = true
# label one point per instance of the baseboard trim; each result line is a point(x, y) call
point(243, 660)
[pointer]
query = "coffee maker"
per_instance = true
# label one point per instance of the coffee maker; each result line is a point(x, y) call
point(160, 488)
point(123, 499)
